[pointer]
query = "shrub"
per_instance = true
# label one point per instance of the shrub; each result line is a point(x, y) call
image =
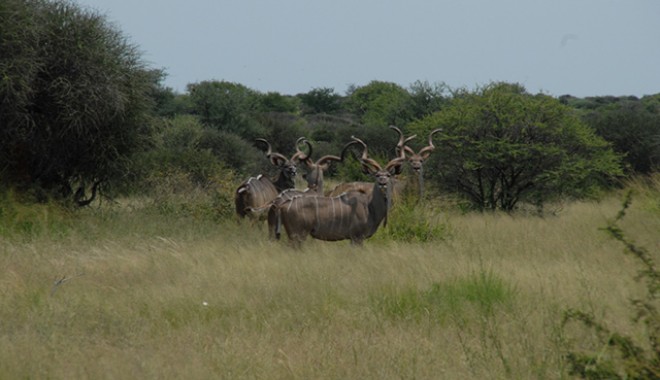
point(622, 357)
point(414, 223)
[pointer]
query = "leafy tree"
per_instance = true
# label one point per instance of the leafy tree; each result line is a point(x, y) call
point(282, 131)
point(276, 102)
point(632, 125)
point(170, 103)
point(427, 98)
point(501, 145)
point(75, 96)
point(182, 144)
point(321, 100)
point(225, 106)
point(380, 104)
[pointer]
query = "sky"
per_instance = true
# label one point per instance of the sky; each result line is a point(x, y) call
point(557, 47)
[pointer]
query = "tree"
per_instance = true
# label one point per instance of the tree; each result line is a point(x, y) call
point(321, 100)
point(427, 99)
point(276, 102)
point(74, 96)
point(380, 104)
point(501, 145)
point(225, 106)
point(632, 125)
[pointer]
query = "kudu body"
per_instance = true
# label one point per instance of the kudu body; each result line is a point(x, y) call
point(352, 215)
point(256, 192)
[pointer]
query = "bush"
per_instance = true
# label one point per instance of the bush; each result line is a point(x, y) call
point(414, 223)
point(500, 146)
point(76, 97)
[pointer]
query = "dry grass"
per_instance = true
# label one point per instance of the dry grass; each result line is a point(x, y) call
point(146, 297)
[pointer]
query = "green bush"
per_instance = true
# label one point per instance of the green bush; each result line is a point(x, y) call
point(414, 223)
point(501, 145)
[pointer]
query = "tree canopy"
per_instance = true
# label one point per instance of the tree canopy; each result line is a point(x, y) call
point(501, 145)
point(74, 95)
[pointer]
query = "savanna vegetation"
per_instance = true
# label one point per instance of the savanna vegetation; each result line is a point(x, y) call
point(122, 256)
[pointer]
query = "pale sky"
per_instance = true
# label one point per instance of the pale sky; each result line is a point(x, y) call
point(577, 47)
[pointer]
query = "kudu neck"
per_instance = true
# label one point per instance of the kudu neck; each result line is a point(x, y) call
point(379, 204)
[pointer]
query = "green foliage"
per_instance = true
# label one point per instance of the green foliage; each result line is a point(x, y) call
point(320, 100)
point(622, 357)
point(414, 223)
point(232, 151)
point(427, 98)
point(500, 146)
point(632, 126)
point(282, 130)
point(176, 193)
point(21, 218)
point(76, 96)
point(182, 172)
point(380, 104)
point(482, 291)
point(170, 104)
point(276, 102)
point(226, 106)
point(177, 146)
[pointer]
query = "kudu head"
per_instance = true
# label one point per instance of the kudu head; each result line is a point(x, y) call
point(314, 175)
point(287, 166)
point(416, 159)
point(382, 175)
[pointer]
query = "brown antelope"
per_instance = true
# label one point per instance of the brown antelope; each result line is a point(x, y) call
point(258, 191)
point(352, 215)
point(416, 161)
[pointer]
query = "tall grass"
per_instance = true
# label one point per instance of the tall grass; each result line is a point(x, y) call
point(127, 291)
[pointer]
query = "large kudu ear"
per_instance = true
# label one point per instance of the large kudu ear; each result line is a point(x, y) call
point(426, 151)
point(276, 159)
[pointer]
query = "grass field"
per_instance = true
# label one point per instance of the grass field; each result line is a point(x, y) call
point(119, 292)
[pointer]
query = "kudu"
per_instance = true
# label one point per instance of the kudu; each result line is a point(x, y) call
point(256, 192)
point(314, 178)
point(416, 160)
point(352, 215)
point(366, 187)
